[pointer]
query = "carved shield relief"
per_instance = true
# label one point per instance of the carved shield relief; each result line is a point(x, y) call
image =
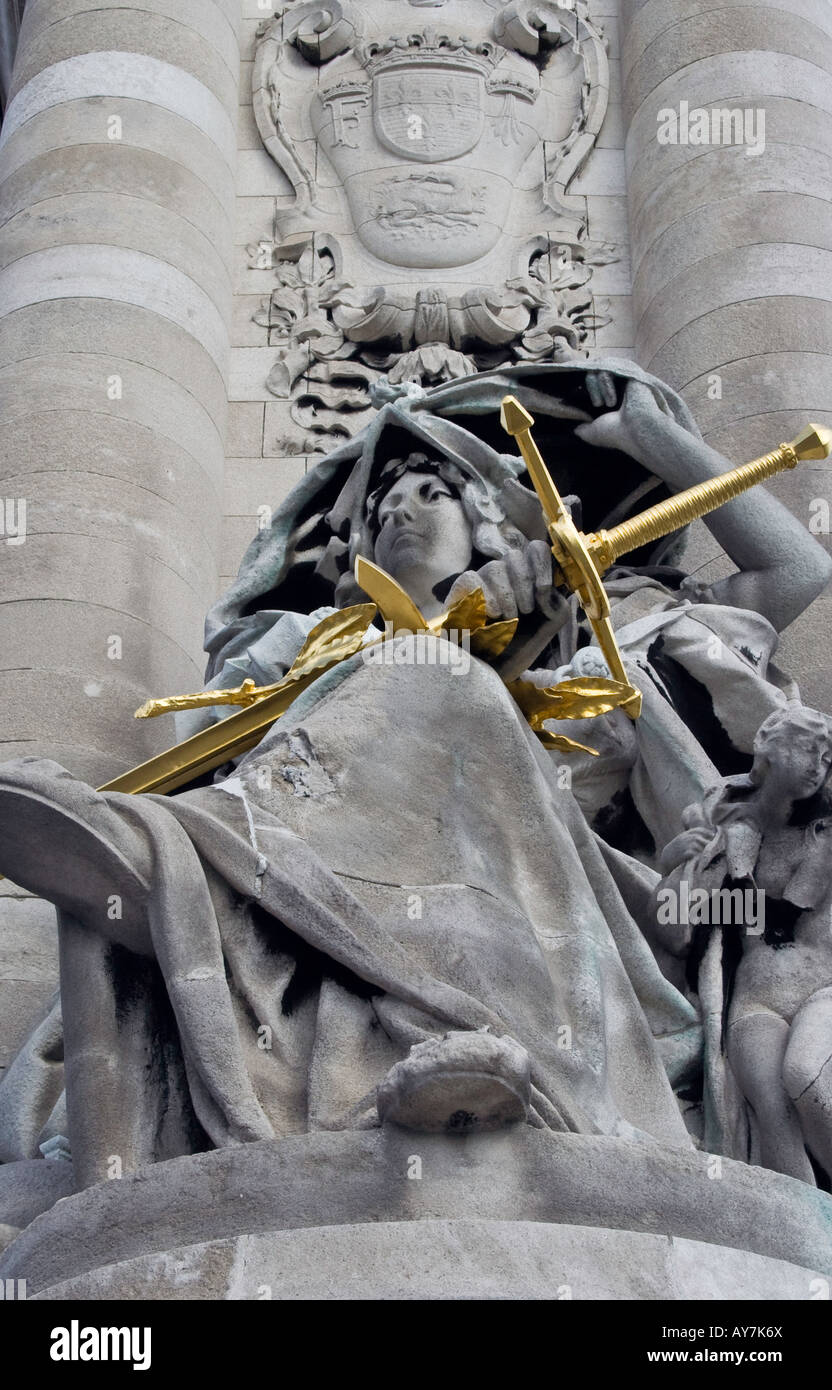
point(429, 114)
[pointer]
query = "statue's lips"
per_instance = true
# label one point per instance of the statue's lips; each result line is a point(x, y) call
point(407, 535)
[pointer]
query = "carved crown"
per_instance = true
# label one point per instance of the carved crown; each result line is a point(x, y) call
point(430, 47)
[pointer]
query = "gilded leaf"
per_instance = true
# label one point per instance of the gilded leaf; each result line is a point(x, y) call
point(492, 640)
point(334, 638)
point(396, 606)
point(467, 614)
point(563, 744)
point(573, 699)
point(589, 687)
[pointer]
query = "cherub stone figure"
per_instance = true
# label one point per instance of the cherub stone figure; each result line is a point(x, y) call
point(771, 829)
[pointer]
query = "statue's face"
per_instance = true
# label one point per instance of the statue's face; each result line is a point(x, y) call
point(422, 528)
point(799, 761)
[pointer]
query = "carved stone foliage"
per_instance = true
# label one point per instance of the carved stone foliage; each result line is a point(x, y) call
point(313, 370)
point(429, 233)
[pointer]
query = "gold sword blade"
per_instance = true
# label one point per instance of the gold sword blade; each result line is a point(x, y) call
point(517, 422)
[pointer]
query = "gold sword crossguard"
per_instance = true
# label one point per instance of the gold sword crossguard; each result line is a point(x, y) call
point(583, 559)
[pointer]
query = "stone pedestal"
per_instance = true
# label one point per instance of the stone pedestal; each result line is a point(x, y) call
point(391, 1214)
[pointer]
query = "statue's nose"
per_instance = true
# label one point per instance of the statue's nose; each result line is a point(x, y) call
point(403, 511)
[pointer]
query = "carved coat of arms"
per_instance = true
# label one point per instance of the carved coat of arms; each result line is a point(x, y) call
point(427, 206)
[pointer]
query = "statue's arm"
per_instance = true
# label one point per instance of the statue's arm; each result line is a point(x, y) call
point(782, 568)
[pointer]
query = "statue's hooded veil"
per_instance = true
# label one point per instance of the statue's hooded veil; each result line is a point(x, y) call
point(295, 563)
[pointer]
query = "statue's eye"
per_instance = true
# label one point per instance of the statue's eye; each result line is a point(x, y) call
point(431, 492)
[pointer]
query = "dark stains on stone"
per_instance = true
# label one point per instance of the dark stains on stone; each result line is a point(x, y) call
point(312, 966)
point(753, 657)
point(620, 825)
point(693, 703)
point(461, 1122)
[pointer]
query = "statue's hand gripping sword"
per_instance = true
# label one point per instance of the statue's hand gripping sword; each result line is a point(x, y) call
point(582, 559)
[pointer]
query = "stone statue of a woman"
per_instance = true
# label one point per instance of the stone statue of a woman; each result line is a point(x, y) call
point(400, 858)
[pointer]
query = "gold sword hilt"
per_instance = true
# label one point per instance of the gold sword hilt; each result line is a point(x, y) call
point(246, 694)
point(575, 564)
point(582, 559)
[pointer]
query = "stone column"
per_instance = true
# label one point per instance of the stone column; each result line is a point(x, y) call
point(10, 14)
point(117, 165)
point(732, 242)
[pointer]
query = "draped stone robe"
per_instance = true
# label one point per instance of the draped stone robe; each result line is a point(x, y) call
point(394, 860)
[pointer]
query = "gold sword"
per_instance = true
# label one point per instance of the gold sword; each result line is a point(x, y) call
point(813, 442)
point(582, 559)
point(576, 566)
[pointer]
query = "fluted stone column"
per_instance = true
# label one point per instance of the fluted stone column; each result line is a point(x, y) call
point(732, 248)
point(117, 165)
